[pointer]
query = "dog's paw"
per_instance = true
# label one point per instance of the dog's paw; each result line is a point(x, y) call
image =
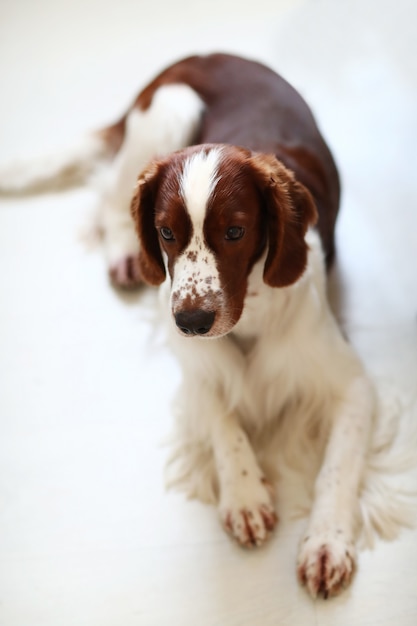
point(250, 526)
point(326, 563)
point(121, 248)
point(125, 273)
point(249, 516)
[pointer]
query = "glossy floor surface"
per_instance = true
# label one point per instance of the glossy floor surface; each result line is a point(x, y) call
point(88, 534)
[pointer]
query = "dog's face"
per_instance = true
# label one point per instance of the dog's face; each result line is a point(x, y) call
point(205, 215)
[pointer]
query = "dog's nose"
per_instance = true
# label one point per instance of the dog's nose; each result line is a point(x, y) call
point(194, 322)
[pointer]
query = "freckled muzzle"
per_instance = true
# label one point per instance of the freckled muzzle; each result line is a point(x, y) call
point(195, 322)
point(197, 298)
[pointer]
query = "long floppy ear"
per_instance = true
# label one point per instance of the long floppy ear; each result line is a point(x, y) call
point(290, 210)
point(151, 264)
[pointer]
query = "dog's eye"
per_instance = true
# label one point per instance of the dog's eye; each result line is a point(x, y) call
point(234, 232)
point(167, 234)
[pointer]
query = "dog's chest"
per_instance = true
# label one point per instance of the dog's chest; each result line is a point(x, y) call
point(280, 337)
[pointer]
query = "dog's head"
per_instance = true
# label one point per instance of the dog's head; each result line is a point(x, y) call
point(205, 215)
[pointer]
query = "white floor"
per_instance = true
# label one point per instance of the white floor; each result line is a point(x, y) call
point(88, 534)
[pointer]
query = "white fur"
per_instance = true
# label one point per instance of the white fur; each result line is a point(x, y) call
point(285, 365)
point(198, 181)
point(56, 170)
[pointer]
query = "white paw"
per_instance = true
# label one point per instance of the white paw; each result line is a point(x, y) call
point(122, 251)
point(326, 563)
point(248, 513)
point(125, 273)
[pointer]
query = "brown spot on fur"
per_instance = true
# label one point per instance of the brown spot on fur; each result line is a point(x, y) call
point(322, 588)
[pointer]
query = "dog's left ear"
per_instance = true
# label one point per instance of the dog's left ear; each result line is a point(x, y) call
point(290, 210)
point(151, 264)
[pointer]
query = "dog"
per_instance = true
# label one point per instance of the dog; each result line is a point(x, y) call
point(234, 213)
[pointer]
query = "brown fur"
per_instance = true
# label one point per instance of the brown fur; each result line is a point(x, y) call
point(249, 105)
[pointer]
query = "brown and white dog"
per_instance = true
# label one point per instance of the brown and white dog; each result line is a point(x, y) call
point(235, 209)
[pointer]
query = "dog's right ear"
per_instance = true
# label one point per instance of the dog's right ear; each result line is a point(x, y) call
point(151, 264)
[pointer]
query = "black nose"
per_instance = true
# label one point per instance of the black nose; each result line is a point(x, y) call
point(194, 322)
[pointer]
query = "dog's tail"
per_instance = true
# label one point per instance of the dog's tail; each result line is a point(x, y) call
point(70, 168)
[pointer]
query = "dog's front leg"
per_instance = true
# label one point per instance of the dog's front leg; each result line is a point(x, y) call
point(327, 553)
point(246, 503)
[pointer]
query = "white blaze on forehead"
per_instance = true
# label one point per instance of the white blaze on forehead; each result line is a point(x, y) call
point(198, 181)
point(195, 271)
